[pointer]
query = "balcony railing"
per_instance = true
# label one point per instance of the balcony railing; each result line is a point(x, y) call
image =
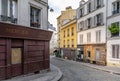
point(98, 24)
point(115, 12)
point(9, 19)
point(35, 24)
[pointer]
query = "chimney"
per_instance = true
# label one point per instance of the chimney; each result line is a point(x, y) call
point(82, 2)
point(68, 8)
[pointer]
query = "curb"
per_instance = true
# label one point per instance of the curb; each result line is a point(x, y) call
point(97, 68)
point(59, 74)
point(105, 70)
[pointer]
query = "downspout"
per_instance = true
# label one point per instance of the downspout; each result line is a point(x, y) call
point(106, 30)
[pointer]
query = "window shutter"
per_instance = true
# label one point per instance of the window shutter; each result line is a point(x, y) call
point(4, 7)
point(86, 24)
point(102, 19)
point(95, 4)
point(102, 2)
point(92, 22)
point(95, 20)
point(119, 51)
point(78, 13)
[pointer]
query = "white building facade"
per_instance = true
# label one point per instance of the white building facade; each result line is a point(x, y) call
point(113, 39)
point(31, 13)
point(53, 41)
point(91, 31)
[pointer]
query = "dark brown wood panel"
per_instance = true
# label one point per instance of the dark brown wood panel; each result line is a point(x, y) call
point(16, 69)
point(17, 31)
point(35, 47)
point(34, 59)
point(2, 41)
point(2, 56)
point(46, 50)
point(47, 64)
point(2, 48)
point(35, 53)
point(17, 43)
point(2, 62)
point(2, 73)
point(32, 67)
point(31, 42)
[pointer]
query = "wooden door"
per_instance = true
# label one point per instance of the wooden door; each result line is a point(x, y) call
point(16, 61)
point(97, 54)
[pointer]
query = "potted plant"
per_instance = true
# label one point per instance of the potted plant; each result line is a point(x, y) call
point(114, 29)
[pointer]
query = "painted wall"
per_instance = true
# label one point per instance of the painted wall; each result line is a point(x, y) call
point(94, 28)
point(67, 14)
point(23, 9)
point(70, 25)
point(112, 40)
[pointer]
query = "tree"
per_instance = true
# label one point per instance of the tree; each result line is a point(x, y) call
point(114, 29)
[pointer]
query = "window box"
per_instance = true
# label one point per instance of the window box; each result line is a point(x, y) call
point(114, 29)
point(35, 24)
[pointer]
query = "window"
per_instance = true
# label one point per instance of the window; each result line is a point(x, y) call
point(81, 25)
point(116, 7)
point(81, 12)
point(72, 42)
point(99, 19)
point(81, 38)
point(99, 3)
point(72, 31)
point(89, 7)
point(98, 36)
point(68, 42)
point(9, 10)
point(68, 32)
point(64, 44)
point(64, 33)
point(88, 37)
point(34, 17)
point(89, 21)
point(115, 51)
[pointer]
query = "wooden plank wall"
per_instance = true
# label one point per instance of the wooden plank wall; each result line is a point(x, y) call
point(35, 53)
point(2, 58)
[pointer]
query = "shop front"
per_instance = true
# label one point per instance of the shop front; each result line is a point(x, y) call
point(23, 50)
point(95, 53)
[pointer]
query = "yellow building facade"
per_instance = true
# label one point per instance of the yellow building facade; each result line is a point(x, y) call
point(67, 38)
point(63, 24)
point(69, 35)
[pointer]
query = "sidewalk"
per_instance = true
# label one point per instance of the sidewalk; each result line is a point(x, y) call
point(54, 75)
point(110, 69)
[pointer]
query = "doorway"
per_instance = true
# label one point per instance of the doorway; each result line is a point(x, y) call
point(97, 54)
point(16, 61)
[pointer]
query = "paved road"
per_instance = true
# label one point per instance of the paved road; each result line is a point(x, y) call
point(76, 72)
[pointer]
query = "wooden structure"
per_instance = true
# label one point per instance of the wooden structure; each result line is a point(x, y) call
point(23, 50)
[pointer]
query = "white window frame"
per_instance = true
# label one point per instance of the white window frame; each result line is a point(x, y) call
point(98, 36)
point(115, 52)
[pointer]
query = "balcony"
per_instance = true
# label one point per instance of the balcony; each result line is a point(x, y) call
point(8, 19)
point(98, 6)
point(98, 24)
point(35, 24)
point(115, 12)
point(89, 26)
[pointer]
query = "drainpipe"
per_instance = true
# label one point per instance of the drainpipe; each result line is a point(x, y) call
point(106, 30)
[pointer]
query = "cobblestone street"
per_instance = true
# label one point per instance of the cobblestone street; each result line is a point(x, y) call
point(77, 72)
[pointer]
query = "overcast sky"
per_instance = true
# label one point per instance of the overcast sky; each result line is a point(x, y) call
point(58, 6)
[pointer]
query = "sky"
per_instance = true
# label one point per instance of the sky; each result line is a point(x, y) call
point(58, 6)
